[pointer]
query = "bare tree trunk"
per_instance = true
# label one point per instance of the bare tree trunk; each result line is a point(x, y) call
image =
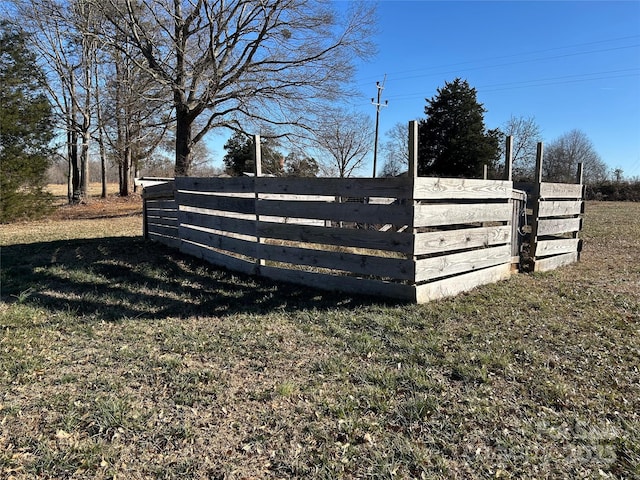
point(183, 141)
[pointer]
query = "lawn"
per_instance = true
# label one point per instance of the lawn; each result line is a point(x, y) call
point(124, 359)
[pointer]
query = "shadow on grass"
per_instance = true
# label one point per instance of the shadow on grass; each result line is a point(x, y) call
point(117, 278)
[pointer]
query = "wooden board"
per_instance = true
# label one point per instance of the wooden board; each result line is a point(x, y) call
point(346, 237)
point(216, 184)
point(560, 208)
point(168, 221)
point(164, 204)
point(399, 187)
point(462, 283)
point(559, 226)
point(346, 212)
point(352, 285)
point(168, 231)
point(441, 242)
point(163, 190)
point(453, 214)
point(560, 190)
point(545, 248)
point(396, 268)
point(551, 263)
point(459, 263)
point(218, 258)
point(216, 240)
point(433, 188)
point(171, 242)
point(244, 226)
point(216, 202)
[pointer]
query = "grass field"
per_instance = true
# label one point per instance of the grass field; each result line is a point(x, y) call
point(123, 359)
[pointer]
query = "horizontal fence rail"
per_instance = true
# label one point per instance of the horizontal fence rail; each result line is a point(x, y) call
point(413, 238)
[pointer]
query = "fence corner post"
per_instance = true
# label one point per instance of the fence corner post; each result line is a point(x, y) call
point(413, 175)
point(145, 219)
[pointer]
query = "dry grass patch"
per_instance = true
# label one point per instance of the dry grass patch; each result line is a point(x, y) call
point(122, 359)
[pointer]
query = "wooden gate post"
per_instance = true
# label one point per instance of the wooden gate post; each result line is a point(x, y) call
point(533, 242)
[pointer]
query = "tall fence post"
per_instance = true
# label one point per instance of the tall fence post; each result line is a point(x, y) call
point(508, 159)
point(257, 159)
point(413, 175)
point(533, 242)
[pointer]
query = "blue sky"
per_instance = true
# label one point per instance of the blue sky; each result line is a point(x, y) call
point(570, 65)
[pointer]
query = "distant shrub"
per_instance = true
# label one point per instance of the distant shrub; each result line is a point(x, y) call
point(614, 191)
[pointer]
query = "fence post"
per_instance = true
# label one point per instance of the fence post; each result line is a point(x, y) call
point(257, 159)
point(580, 174)
point(533, 243)
point(508, 159)
point(413, 175)
point(145, 219)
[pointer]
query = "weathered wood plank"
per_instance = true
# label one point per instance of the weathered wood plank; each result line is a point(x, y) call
point(357, 238)
point(458, 263)
point(242, 226)
point(551, 263)
point(162, 190)
point(560, 190)
point(218, 258)
point(346, 212)
point(167, 221)
point(452, 214)
point(558, 226)
point(164, 204)
point(345, 187)
point(169, 231)
point(345, 284)
point(216, 185)
point(461, 283)
point(433, 188)
point(441, 242)
point(396, 268)
point(216, 202)
point(559, 208)
point(216, 240)
point(546, 248)
point(171, 242)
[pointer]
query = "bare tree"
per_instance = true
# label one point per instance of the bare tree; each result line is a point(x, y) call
point(396, 151)
point(563, 155)
point(235, 63)
point(60, 32)
point(347, 138)
point(526, 135)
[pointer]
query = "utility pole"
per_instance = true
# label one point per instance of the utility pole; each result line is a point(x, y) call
point(378, 105)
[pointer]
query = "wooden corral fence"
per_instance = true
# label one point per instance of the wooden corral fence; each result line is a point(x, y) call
point(414, 238)
point(555, 221)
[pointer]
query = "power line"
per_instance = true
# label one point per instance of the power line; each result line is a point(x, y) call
point(564, 79)
point(434, 69)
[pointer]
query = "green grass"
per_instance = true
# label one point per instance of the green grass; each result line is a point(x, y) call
point(120, 358)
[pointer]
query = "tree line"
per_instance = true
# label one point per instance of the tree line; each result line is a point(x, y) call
point(143, 82)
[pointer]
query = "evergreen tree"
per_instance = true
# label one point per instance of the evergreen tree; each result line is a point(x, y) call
point(25, 129)
point(239, 156)
point(300, 165)
point(453, 141)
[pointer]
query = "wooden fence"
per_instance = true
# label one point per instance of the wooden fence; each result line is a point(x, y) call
point(414, 238)
point(555, 221)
